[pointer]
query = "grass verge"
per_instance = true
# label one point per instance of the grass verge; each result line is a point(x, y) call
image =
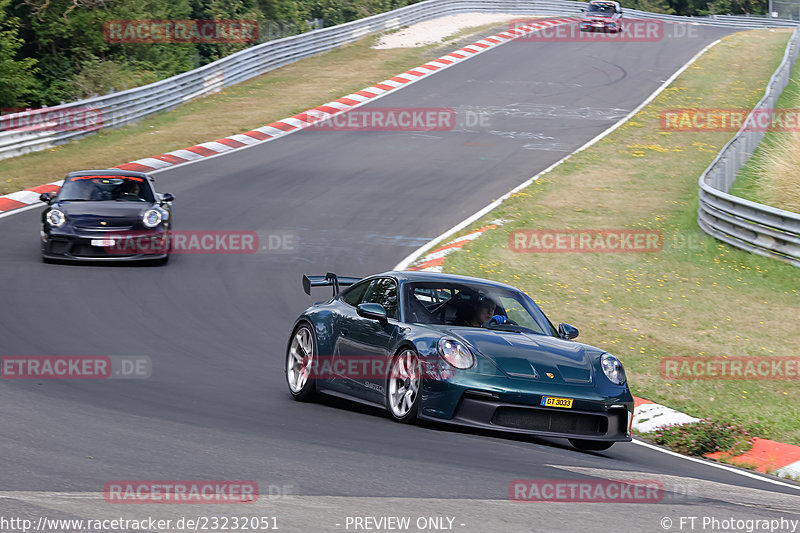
point(696, 297)
point(243, 107)
point(771, 175)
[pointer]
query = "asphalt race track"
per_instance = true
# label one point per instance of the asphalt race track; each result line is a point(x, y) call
point(216, 326)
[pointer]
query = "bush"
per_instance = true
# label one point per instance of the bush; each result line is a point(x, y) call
point(707, 436)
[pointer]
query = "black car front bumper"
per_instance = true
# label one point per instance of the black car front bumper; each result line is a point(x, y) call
point(610, 424)
point(62, 247)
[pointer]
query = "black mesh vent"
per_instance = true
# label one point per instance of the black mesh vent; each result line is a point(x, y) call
point(553, 421)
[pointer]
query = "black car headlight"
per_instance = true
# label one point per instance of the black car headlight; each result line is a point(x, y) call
point(151, 218)
point(612, 368)
point(456, 353)
point(56, 218)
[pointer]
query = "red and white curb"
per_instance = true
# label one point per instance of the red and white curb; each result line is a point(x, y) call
point(432, 262)
point(302, 120)
point(18, 199)
point(649, 416)
point(780, 459)
point(768, 456)
point(793, 470)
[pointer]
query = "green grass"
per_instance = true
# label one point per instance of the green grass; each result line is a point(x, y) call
point(243, 107)
point(771, 175)
point(696, 297)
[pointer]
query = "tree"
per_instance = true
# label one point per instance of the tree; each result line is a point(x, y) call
point(77, 61)
point(242, 10)
point(16, 75)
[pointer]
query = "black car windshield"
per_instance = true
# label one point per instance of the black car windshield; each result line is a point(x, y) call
point(603, 10)
point(106, 188)
point(473, 304)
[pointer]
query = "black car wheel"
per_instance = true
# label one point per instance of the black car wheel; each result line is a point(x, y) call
point(591, 445)
point(403, 384)
point(300, 360)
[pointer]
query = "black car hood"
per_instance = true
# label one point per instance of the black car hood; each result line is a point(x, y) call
point(114, 213)
point(530, 356)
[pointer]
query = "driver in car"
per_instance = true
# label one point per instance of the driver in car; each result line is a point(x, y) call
point(484, 314)
point(129, 190)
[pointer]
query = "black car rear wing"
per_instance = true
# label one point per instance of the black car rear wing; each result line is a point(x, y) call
point(328, 280)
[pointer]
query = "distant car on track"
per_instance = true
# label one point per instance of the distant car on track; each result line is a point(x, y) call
point(458, 350)
point(95, 208)
point(602, 15)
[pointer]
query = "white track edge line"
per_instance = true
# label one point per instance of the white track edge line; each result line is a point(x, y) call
point(746, 473)
point(21, 209)
point(405, 263)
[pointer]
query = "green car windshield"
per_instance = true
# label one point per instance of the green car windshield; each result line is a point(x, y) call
point(473, 305)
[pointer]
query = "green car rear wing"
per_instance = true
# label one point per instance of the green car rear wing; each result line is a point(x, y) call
point(328, 280)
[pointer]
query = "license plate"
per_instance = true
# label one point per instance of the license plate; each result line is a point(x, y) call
point(564, 403)
point(103, 242)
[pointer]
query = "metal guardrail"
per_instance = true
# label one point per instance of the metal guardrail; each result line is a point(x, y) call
point(748, 225)
point(123, 107)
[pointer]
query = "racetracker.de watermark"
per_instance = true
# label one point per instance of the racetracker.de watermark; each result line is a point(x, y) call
point(633, 30)
point(75, 367)
point(374, 368)
point(585, 241)
point(82, 118)
point(180, 491)
point(181, 31)
point(730, 119)
point(384, 119)
point(732, 368)
point(199, 242)
point(593, 490)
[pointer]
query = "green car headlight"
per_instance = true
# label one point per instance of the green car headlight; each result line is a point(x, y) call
point(612, 368)
point(456, 353)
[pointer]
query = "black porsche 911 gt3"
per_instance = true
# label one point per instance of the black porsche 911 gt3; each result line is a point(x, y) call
point(459, 350)
point(96, 211)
